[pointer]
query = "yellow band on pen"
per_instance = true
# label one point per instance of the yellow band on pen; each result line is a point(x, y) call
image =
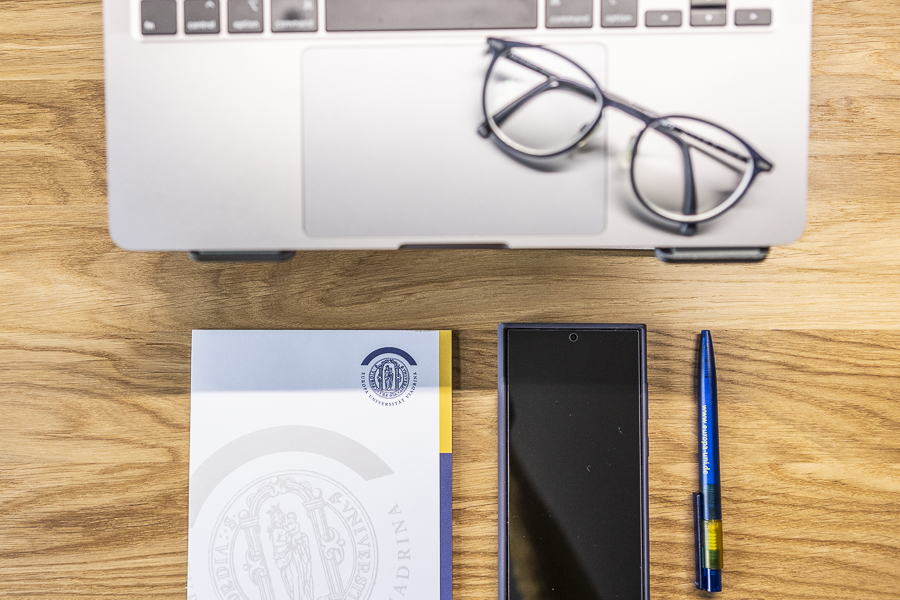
point(712, 545)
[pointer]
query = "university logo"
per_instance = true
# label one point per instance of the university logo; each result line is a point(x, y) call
point(389, 376)
point(294, 535)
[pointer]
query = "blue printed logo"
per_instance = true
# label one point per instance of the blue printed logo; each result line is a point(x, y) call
point(390, 377)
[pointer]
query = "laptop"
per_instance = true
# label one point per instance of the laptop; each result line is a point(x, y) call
point(273, 125)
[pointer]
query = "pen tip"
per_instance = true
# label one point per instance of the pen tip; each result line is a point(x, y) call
point(706, 354)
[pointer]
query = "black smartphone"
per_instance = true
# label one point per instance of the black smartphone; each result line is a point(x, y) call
point(573, 462)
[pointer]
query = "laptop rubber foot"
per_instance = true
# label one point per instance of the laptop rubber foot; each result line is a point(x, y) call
point(680, 255)
point(249, 256)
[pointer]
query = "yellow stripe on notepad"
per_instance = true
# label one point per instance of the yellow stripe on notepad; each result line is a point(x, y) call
point(445, 347)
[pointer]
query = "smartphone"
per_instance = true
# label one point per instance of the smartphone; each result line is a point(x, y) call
point(573, 462)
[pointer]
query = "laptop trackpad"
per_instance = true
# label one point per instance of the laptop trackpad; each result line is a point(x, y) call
point(390, 149)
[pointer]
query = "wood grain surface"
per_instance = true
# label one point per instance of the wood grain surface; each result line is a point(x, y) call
point(95, 345)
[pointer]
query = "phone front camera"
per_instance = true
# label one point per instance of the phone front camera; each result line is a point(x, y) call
point(573, 337)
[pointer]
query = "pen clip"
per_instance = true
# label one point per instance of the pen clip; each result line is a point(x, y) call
point(698, 539)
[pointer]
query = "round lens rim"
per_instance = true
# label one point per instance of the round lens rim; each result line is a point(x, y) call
point(512, 144)
point(743, 186)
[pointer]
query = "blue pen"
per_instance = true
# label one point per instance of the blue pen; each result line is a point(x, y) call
point(708, 502)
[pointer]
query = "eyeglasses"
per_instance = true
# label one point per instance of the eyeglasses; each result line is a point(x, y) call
point(539, 104)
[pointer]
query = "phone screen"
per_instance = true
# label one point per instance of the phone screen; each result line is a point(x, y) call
point(573, 505)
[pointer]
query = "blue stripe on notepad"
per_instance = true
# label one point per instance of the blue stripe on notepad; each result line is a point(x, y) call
point(446, 526)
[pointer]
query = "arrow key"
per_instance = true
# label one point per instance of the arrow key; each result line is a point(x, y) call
point(759, 16)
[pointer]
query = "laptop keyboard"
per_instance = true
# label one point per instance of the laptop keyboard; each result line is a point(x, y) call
point(203, 17)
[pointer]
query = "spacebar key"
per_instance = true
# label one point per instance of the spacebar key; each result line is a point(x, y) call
point(413, 15)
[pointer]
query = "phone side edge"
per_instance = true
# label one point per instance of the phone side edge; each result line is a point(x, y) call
point(502, 427)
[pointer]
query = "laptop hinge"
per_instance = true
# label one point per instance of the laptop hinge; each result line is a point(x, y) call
point(678, 255)
point(242, 256)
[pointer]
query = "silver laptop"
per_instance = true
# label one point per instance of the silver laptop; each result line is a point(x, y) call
point(268, 125)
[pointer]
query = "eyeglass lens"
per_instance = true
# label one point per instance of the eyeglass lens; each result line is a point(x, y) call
point(541, 103)
point(684, 166)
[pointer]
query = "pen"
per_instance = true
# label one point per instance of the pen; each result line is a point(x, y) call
point(708, 502)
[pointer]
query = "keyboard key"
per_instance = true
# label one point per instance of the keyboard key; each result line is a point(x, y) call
point(158, 17)
point(753, 17)
point(663, 18)
point(618, 13)
point(707, 3)
point(245, 16)
point(294, 15)
point(570, 13)
point(201, 16)
point(708, 17)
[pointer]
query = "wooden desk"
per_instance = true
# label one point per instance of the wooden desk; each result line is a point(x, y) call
point(95, 345)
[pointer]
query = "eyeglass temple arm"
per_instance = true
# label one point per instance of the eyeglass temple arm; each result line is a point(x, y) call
point(638, 112)
point(552, 83)
point(759, 162)
point(648, 117)
point(690, 191)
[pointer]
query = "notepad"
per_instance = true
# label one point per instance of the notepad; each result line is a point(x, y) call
point(320, 465)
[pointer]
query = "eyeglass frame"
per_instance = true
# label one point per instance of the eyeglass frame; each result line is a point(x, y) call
point(500, 48)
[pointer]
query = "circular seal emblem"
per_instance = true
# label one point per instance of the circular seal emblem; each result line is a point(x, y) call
point(294, 535)
point(389, 378)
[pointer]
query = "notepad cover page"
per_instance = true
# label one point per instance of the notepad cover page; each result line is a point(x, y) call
point(320, 465)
